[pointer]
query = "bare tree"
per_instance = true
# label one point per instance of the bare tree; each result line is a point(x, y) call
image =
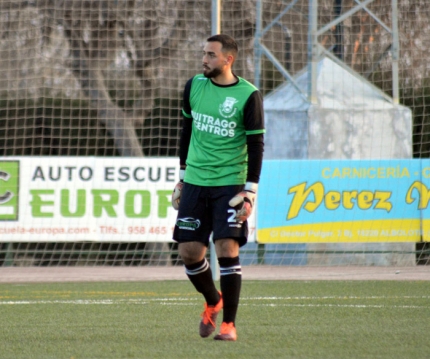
point(95, 32)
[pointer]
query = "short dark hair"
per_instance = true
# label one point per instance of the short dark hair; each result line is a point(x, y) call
point(228, 43)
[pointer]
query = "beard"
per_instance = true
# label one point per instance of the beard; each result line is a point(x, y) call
point(212, 73)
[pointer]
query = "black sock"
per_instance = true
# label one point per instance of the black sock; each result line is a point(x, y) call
point(230, 281)
point(200, 274)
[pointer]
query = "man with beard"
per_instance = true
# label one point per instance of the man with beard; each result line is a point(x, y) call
point(221, 152)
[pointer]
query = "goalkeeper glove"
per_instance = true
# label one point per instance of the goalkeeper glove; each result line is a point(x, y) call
point(243, 202)
point(176, 195)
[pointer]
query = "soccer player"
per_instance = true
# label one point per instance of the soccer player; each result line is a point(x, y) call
point(221, 152)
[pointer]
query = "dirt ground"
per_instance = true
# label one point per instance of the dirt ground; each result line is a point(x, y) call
point(102, 274)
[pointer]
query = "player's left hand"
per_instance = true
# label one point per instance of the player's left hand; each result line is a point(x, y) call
point(243, 202)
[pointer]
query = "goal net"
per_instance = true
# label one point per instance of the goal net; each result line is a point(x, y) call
point(90, 119)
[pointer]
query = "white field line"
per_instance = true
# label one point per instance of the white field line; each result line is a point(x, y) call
point(341, 306)
point(383, 297)
point(245, 301)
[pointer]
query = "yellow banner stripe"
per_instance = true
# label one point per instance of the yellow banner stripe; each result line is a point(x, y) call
point(399, 230)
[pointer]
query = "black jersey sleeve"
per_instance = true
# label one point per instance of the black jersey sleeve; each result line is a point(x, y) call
point(255, 145)
point(254, 121)
point(254, 112)
point(184, 142)
point(186, 107)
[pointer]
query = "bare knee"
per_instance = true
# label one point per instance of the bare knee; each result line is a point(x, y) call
point(227, 248)
point(192, 252)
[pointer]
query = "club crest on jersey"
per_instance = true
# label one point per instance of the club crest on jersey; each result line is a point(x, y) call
point(227, 109)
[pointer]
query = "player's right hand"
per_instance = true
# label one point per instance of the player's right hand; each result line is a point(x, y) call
point(176, 195)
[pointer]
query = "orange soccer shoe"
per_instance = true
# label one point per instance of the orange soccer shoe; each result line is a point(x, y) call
point(209, 315)
point(227, 332)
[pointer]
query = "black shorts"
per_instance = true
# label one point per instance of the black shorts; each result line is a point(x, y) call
point(205, 210)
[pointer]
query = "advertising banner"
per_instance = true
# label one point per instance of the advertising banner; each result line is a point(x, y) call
point(88, 199)
point(344, 201)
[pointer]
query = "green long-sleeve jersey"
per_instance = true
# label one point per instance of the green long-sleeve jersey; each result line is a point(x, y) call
point(222, 117)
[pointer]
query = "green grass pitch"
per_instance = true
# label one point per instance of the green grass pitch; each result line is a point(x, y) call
point(276, 319)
